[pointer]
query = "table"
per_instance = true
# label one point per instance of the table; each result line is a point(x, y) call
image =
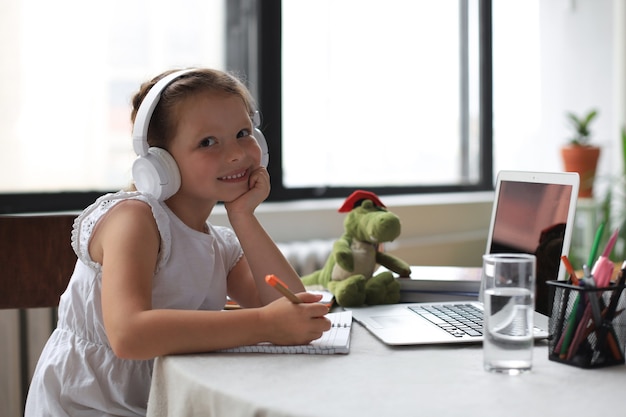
point(378, 380)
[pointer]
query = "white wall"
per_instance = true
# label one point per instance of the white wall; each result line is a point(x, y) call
point(619, 73)
point(568, 60)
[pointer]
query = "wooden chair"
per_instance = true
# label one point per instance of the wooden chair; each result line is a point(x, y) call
point(36, 263)
point(36, 259)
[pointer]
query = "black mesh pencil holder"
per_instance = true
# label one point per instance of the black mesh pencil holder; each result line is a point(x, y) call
point(587, 325)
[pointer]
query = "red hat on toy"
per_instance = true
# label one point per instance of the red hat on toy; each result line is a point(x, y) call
point(356, 198)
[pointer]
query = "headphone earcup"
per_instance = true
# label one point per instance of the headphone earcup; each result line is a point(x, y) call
point(156, 174)
point(265, 154)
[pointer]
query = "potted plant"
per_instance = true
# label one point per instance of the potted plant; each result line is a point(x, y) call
point(579, 155)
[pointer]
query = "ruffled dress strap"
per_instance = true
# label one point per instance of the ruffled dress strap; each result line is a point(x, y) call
point(85, 223)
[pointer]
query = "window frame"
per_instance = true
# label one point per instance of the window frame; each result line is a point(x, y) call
point(254, 48)
point(270, 91)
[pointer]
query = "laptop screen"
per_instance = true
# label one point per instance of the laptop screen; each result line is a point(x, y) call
point(532, 218)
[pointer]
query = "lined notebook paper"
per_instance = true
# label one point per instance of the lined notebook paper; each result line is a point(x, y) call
point(334, 341)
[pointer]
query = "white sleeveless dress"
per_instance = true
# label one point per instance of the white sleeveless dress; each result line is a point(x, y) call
point(78, 374)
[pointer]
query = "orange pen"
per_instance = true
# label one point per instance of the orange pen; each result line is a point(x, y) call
point(570, 269)
point(280, 286)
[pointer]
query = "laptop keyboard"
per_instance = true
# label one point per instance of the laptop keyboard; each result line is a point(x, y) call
point(457, 319)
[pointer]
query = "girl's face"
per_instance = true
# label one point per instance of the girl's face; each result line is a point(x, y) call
point(214, 147)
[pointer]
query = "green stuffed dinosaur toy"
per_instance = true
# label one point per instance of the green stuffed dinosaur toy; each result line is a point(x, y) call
point(349, 270)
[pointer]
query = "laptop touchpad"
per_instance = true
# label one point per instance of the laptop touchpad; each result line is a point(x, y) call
point(383, 322)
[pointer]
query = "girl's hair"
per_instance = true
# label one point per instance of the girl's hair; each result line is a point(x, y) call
point(163, 123)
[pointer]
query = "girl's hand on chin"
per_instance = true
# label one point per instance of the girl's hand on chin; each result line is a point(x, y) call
point(258, 191)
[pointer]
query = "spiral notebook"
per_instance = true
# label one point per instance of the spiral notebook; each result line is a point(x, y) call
point(334, 341)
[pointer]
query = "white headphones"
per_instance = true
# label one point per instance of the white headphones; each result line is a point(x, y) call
point(155, 171)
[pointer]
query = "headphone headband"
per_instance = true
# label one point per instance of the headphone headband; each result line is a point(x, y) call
point(144, 114)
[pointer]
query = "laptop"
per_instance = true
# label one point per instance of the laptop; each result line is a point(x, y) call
point(533, 212)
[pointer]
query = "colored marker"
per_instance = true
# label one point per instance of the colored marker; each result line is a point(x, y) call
point(596, 243)
point(603, 269)
point(570, 269)
point(280, 286)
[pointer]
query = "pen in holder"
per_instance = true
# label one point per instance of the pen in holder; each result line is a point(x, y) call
point(587, 325)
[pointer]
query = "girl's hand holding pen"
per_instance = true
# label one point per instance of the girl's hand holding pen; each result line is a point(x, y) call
point(296, 324)
point(303, 318)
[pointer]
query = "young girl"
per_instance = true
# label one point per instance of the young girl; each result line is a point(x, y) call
point(152, 276)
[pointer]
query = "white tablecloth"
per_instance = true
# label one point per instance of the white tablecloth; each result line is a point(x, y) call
point(377, 380)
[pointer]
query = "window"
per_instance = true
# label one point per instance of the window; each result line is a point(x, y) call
point(402, 87)
point(69, 70)
point(391, 96)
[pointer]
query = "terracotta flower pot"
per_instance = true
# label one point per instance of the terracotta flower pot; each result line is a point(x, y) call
point(584, 160)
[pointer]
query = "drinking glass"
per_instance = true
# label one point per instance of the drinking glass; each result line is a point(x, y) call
point(509, 301)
